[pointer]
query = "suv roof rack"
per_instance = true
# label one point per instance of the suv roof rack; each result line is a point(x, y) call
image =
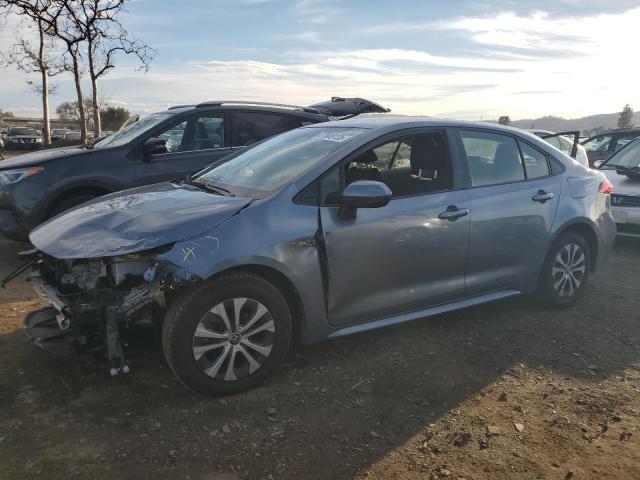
point(180, 106)
point(217, 103)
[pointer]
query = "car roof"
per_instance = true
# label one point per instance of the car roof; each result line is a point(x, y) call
point(386, 121)
point(283, 110)
point(617, 131)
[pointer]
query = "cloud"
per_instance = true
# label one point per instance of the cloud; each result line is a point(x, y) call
point(316, 11)
point(517, 65)
point(306, 36)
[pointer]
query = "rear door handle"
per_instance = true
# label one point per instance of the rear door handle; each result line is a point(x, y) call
point(452, 212)
point(542, 196)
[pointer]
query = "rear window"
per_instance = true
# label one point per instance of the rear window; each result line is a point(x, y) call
point(251, 127)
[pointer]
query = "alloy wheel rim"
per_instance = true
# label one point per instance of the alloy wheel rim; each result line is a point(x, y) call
point(568, 270)
point(233, 339)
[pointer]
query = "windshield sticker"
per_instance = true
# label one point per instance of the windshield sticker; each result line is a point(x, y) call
point(334, 137)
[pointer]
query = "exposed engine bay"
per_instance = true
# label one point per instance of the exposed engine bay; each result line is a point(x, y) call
point(93, 300)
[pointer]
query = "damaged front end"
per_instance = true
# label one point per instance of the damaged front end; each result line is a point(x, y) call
point(94, 300)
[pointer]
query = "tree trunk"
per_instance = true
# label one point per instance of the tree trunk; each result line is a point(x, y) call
point(81, 112)
point(97, 122)
point(46, 124)
point(44, 70)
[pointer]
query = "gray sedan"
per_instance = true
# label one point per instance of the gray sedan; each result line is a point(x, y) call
point(321, 232)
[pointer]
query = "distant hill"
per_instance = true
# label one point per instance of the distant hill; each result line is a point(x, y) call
point(604, 121)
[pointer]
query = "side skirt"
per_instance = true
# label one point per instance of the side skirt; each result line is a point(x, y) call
point(428, 312)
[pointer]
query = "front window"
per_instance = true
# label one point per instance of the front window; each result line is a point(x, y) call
point(410, 165)
point(629, 157)
point(22, 131)
point(134, 130)
point(275, 162)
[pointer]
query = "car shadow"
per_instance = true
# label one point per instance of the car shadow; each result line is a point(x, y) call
point(340, 406)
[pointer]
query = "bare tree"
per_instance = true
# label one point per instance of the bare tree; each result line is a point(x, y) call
point(34, 58)
point(106, 37)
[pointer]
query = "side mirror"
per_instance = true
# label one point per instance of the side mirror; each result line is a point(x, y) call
point(154, 146)
point(363, 194)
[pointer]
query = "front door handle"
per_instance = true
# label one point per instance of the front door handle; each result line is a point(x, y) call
point(542, 196)
point(452, 213)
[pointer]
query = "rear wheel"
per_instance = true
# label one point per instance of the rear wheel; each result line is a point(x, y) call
point(228, 334)
point(566, 271)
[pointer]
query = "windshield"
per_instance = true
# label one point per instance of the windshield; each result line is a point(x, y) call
point(628, 157)
point(132, 131)
point(22, 131)
point(273, 163)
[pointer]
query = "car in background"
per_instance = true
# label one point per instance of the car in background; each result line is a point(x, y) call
point(320, 232)
point(3, 132)
point(72, 136)
point(623, 170)
point(58, 134)
point(162, 146)
point(22, 138)
point(602, 146)
point(563, 142)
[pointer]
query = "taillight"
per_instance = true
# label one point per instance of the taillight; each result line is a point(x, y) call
point(606, 187)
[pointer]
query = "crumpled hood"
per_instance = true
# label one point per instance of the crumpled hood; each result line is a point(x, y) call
point(41, 156)
point(134, 220)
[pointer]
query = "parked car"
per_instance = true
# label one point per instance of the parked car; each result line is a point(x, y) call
point(320, 232)
point(162, 146)
point(58, 134)
point(22, 138)
point(623, 169)
point(563, 142)
point(602, 146)
point(3, 133)
point(72, 136)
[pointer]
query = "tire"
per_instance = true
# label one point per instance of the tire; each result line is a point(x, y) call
point(565, 272)
point(203, 364)
point(69, 203)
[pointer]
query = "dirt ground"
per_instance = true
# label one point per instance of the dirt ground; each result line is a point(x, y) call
point(502, 391)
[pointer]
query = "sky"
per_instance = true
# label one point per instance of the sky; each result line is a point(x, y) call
point(469, 59)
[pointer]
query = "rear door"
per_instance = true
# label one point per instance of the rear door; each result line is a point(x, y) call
point(514, 199)
point(192, 143)
point(408, 255)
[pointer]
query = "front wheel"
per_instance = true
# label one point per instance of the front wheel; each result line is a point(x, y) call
point(226, 335)
point(565, 271)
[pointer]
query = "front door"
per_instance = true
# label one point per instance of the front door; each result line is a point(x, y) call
point(192, 144)
point(514, 199)
point(405, 256)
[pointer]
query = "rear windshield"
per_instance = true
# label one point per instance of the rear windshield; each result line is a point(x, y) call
point(272, 164)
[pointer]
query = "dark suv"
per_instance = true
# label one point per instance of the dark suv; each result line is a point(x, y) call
point(162, 146)
point(602, 146)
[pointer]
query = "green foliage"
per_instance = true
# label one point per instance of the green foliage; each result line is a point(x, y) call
point(626, 117)
point(113, 117)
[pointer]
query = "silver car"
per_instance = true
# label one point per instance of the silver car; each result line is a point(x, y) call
point(320, 232)
point(623, 169)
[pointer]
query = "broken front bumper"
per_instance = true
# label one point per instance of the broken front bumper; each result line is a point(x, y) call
point(42, 329)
